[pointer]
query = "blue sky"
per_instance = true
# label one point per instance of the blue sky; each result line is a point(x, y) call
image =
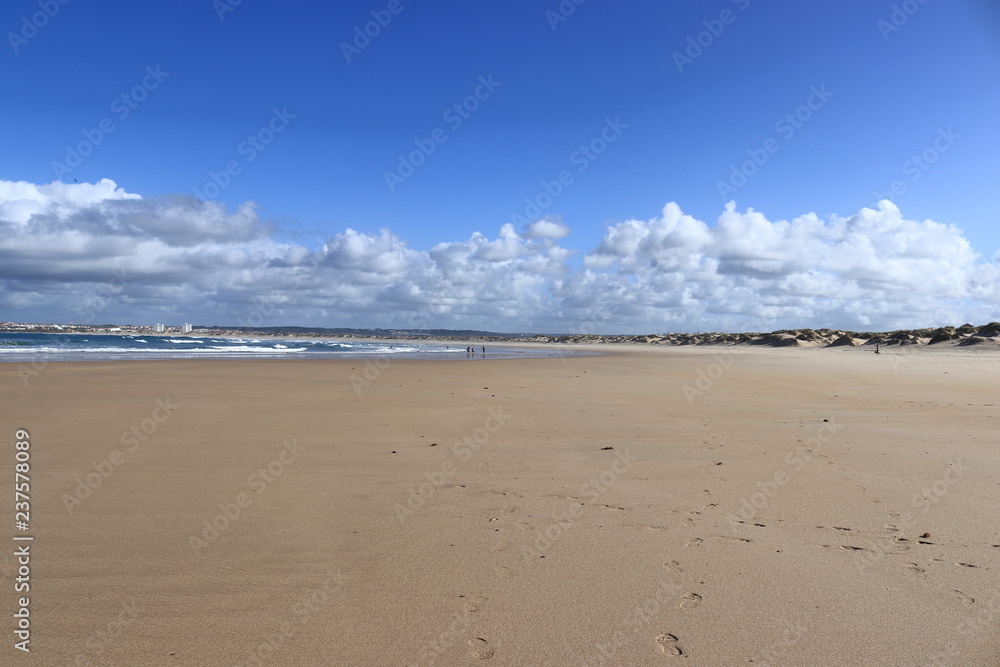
point(896, 80)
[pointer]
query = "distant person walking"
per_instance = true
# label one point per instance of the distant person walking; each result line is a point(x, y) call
point(876, 349)
point(484, 349)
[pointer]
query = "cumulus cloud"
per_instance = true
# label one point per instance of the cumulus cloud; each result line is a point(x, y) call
point(93, 252)
point(547, 229)
point(871, 269)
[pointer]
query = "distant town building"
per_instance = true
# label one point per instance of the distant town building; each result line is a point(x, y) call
point(186, 328)
point(159, 328)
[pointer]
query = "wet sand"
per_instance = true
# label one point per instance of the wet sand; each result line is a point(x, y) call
point(787, 507)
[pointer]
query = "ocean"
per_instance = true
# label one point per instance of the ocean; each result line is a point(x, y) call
point(28, 347)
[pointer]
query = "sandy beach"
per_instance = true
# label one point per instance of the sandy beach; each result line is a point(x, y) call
point(696, 506)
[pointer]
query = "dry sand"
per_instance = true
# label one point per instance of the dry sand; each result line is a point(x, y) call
point(520, 538)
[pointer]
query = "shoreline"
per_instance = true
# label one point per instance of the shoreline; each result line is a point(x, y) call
point(891, 358)
point(942, 336)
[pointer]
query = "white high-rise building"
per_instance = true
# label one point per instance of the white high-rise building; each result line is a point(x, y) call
point(186, 328)
point(158, 328)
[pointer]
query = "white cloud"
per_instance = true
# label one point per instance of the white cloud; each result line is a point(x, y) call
point(547, 229)
point(874, 268)
point(132, 259)
point(20, 200)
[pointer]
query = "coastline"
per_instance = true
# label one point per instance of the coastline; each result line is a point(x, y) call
point(987, 347)
point(38, 351)
point(942, 336)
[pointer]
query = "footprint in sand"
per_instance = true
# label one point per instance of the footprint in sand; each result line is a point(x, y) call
point(481, 648)
point(915, 568)
point(473, 602)
point(673, 566)
point(668, 644)
point(963, 597)
point(694, 542)
point(690, 600)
